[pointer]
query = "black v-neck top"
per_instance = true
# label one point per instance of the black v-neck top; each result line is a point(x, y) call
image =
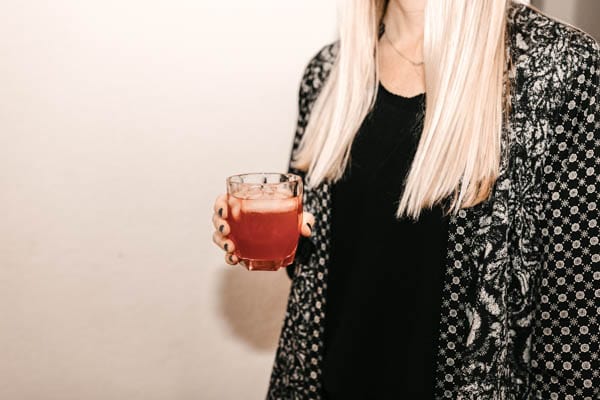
point(384, 282)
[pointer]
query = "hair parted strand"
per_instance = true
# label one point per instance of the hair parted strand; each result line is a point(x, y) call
point(458, 153)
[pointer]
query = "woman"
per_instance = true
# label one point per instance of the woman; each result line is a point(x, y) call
point(454, 253)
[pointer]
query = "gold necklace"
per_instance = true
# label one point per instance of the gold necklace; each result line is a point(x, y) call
point(414, 63)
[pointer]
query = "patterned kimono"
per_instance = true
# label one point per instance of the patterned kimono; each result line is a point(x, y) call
point(521, 291)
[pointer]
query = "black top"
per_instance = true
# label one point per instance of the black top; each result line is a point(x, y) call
point(384, 283)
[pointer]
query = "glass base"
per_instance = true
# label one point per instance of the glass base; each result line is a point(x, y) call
point(266, 265)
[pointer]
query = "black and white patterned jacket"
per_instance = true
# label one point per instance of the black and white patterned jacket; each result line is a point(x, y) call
point(522, 279)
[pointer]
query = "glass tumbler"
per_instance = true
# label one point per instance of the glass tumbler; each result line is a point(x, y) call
point(265, 216)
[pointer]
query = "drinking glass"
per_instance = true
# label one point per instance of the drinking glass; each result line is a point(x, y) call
point(265, 215)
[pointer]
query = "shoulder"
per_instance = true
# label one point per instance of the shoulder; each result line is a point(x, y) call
point(547, 54)
point(535, 33)
point(317, 70)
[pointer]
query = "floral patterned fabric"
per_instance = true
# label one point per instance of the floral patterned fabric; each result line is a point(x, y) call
point(522, 279)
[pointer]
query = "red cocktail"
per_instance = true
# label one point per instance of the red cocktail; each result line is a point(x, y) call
point(265, 215)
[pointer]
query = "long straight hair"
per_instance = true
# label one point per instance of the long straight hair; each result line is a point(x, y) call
point(459, 148)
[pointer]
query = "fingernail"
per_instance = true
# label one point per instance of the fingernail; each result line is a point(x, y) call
point(221, 212)
point(309, 226)
point(221, 228)
point(231, 257)
point(225, 246)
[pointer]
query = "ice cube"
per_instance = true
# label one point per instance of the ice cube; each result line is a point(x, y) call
point(270, 205)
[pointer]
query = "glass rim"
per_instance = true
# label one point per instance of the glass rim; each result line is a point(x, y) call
point(237, 178)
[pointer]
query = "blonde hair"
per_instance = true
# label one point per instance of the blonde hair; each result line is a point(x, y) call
point(459, 148)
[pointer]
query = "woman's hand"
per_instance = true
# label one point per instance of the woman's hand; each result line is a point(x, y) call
point(223, 229)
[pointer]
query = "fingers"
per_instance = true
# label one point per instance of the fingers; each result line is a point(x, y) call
point(226, 245)
point(222, 229)
point(308, 222)
point(235, 206)
point(221, 206)
point(221, 225)
point(223, 242)
point(231, 259)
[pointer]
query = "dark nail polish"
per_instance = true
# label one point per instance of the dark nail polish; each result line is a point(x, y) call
point(221, 212)
point(231, 257)
point(225, 246)
point(221, 228)
point(309, 226)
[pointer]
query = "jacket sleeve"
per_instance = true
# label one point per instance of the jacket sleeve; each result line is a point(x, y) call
point(565, 351)
point(313, 78)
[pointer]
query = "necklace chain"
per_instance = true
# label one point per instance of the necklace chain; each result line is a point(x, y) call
point(414, 63)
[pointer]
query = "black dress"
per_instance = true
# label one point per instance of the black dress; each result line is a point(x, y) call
point(384, 283)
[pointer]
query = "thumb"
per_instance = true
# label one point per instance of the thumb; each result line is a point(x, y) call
point(308, 223)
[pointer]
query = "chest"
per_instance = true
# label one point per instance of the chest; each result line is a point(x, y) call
point(510, 213)
point(398, 74)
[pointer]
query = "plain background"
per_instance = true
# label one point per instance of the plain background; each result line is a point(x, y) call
point(582, 13)
point(119, 121)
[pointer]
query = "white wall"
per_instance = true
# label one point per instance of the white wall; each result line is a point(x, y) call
point(119, 120)
point(584, 14)
point(561, 9)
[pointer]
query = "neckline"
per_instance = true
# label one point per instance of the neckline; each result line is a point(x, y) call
point(410, 102)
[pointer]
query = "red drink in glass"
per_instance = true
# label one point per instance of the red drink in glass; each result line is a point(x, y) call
point(265, 215)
